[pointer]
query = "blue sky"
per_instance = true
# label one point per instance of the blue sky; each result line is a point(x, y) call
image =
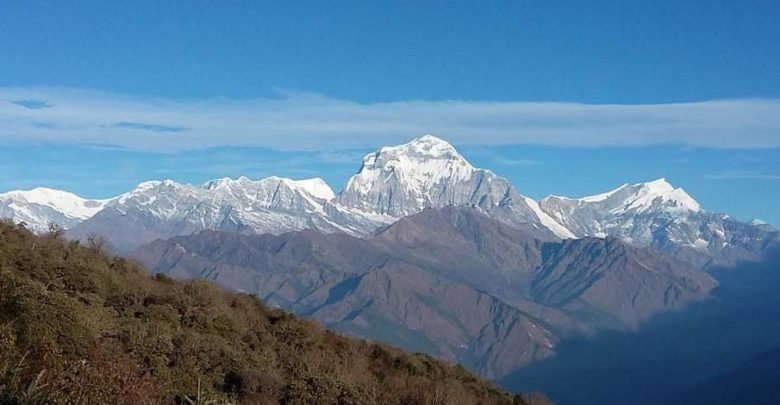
point(563, 97)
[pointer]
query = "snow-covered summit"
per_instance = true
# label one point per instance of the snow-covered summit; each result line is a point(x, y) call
point(656, 195)
point(428, 172)
point(160, 209)
point(418, 166)
point(168, 199)
point(617, 212)
point(65, 202)
point(404, 179)
point(429, 146)
point(763, 225)
point(315, 187)
point(40, 206)
point(656, 213)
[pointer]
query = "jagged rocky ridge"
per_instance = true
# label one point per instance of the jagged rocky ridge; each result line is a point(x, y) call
point(452, 282)
point(160, 209)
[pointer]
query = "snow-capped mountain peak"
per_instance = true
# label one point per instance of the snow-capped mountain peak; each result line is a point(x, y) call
point(65, 202)
point(423, 161)
point(763, 225)
point(430, 146)
point(656, 213)
point(149, 192)
point(40, 206)
point(658, 196)
point(428, 172)
point(315, 187)
point(154, 184)
point(667, 193)
point(591, 215)
point(404, 179)
point(224, 182)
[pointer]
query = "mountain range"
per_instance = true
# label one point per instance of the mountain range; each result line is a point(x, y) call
point(423, 250)
point(392, 183)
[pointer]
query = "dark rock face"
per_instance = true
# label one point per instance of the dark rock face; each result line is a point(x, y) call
point(451, 281)
point(692, 356)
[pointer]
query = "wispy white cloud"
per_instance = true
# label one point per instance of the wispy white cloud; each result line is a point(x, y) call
point(517, 162)
point(497, 158)
point(314, 122)
point(341, 156)
point(31, 104)
point(148, 127)
point(740, 175)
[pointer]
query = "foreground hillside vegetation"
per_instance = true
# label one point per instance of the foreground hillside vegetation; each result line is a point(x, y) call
point(78, 325)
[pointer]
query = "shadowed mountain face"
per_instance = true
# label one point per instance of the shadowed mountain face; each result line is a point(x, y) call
point(698, 356)
point(752, 382)
point(449, 281)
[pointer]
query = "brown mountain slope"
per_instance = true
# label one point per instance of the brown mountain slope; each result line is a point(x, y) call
point(420, 311)
point(440, 280)
point(361, 287)
point(610, 280)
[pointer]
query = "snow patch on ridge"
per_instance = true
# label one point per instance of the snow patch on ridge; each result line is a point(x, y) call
point(602, 196)
point(546, 220)
point(316, 187)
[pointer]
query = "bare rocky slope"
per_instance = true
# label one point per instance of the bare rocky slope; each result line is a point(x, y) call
point(452, 282)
